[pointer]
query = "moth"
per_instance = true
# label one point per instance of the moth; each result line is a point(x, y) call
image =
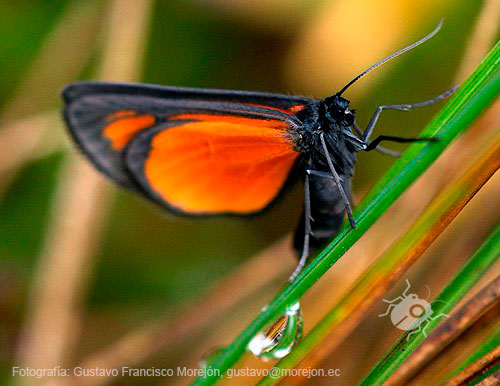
point(201, 152)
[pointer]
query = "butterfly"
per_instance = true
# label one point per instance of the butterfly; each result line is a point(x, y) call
point(201, 152)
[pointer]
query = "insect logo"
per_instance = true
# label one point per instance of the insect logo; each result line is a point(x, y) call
point(409, 312)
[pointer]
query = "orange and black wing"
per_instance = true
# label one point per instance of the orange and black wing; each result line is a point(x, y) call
point(198, 152)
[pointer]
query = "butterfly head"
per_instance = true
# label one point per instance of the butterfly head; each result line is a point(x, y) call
point(337, 111)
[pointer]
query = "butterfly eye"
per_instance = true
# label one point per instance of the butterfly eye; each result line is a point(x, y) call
point(348, 117)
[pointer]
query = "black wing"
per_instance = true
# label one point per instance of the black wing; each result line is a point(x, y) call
point(114, 125)
point(103, 118)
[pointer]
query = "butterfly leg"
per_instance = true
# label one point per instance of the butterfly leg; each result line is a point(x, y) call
point(373, 144)
point(380, 149)
point(388, 152)
point(371, 125)
point(337, 181)
point(307, 229)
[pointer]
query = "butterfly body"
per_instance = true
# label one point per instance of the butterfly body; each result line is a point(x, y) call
point(331, 118)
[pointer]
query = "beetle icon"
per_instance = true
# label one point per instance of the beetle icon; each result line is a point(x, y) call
point(409, 312)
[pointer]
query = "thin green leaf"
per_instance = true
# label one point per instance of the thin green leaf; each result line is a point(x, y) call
point(470, 273)
point(491, 342)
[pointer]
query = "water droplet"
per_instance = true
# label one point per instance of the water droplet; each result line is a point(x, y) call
point(278, 340)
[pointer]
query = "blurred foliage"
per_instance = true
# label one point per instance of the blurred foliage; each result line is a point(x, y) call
point(23, 27)
point(149, 263)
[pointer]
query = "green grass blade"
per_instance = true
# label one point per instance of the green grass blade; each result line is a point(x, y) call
point(489, 344)
point(470, 273)
point(480, 90)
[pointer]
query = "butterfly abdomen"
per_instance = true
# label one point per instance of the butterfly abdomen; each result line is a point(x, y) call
point(327, 212)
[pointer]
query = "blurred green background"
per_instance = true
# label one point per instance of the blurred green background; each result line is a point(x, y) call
point(149, 263)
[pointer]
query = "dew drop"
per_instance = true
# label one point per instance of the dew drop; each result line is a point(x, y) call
point(278, 340)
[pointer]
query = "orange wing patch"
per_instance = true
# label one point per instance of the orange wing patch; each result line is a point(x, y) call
point(220, 164)
point(124, 126)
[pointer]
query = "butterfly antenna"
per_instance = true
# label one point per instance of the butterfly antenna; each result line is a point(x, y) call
point(390, 57)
